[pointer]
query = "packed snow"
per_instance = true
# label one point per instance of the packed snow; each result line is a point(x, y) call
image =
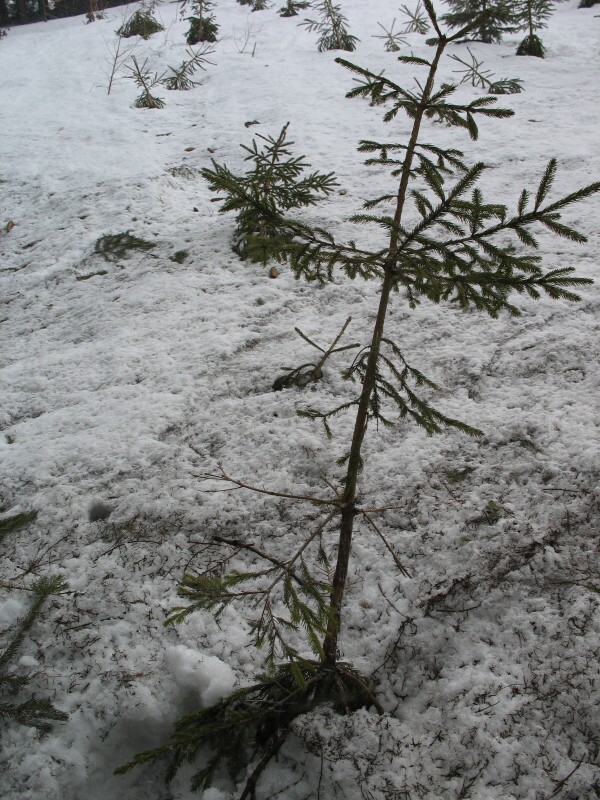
point(124, 381)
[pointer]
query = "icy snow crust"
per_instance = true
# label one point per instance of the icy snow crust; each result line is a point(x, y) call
point(124, 382)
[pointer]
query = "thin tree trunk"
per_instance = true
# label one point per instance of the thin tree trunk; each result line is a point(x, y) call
point(349, 511)
point(21, 12)
point(4, 15)
point(485, 34)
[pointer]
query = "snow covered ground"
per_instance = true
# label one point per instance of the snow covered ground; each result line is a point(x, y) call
point(124, 381)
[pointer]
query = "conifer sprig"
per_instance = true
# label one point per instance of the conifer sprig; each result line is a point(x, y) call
point(447, 162)
point(256, 717)
point(394, 381)
point(474, 74)
point(287, 595)
point(35, 712)
point(181, 77)
point(381, 90)
point(146, 82)
point(41, 590)
point(417, 20)
point(313, 253)
point(391, 39)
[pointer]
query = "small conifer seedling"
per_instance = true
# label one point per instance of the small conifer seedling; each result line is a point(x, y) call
point(141, 23)
point(534, 15)
point(292, 7)
point(417, 21)
point(332, 30)
point(146, 83)
point(474, 74)
point(273, 181)
point(181, 77)
point(391, 39)
point(313, 371)
point(203, 27)
point(444, 243)
point(493, 18)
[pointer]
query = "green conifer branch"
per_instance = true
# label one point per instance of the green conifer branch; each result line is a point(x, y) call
point(381, 90)
point(314, 254)
point(146, 83)
point(311, 372)
point(41, 589)
point(306, 605)
point(259, 714)
point(35, 712)
point(324, 417)
point(397, 388)
point(416, 22)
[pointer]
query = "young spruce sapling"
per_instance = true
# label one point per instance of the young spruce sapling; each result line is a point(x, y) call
point(533, 16)
point(444, 243)
point(332, 28)
point(275, 183)
point(203, 27)
point(181, 77)
point(146, 82)
point(141, 23)
point(293, 7)
point(487, 20)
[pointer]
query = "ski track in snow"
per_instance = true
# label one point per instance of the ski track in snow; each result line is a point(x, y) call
point(125, 381)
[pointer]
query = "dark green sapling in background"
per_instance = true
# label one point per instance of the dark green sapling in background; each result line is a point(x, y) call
point(488, 20)
point(274, 185)
point(331, 27)
point(533, 15)
point(181, 77)
point(203, 26)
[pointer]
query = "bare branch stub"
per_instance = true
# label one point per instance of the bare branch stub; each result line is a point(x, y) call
point(261, 490)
